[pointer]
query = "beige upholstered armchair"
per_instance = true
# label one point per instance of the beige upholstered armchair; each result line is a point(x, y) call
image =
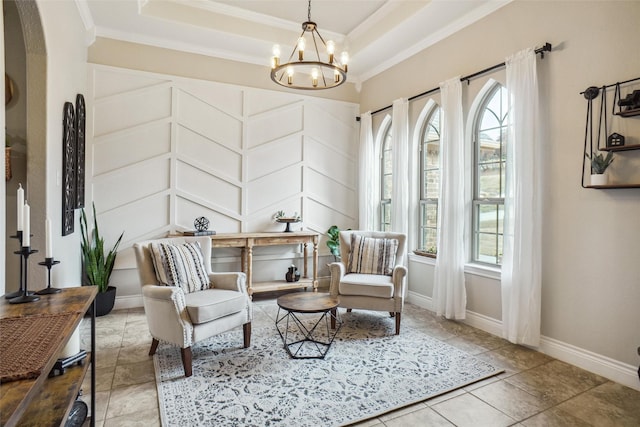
point(371, 275)
point(184, 301)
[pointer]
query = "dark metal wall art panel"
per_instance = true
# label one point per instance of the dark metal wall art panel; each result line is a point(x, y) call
point(80, 150)
point(69, 169)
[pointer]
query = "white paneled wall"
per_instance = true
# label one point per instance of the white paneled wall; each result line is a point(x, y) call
point(164, 150)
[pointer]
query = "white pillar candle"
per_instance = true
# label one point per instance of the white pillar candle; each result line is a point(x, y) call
point(26, 231)
point(48, 245)
point(20, 207)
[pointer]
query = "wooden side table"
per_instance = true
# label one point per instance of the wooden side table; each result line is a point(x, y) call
point(247, 241)
point(44, 401)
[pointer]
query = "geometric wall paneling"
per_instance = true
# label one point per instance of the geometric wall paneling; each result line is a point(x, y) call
point(197, 184)
point(319, 213)
point(208, 154)
point(203, 118)
point(108, 82)
point(142, 219)
point(270, 157)
point(330, 193)
point(260, 101)
point(124, 148)
point(273, 188)
point(127, 110)
point(324, 127)
point(187, 211)
point(176, 148)
point(80, 149)
point(334, 164)
point(68, 169)
point(140, 180)
point(261, 129)
point(225, 98)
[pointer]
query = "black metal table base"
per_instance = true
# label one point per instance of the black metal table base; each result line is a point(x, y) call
point(307, 343)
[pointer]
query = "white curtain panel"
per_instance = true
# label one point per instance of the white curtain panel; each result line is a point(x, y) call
point(400, 144)
point(449, 293)
point(366, 196)
point(522, 214)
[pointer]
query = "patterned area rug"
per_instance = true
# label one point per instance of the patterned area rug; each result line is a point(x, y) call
point(368, 371)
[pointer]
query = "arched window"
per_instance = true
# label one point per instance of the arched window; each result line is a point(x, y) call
point(430, 182)
point(489, 183)
point(386, 184)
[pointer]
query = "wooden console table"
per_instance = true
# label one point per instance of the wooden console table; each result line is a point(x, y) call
point(247, 241)
point(44, 401)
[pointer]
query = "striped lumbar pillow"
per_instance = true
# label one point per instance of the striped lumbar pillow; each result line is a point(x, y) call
point(371, 255)
point(180, 265)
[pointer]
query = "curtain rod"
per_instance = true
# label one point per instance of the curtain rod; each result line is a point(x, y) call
point(541, 51)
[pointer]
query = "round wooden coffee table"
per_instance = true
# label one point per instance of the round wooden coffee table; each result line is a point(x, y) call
point(307, 337)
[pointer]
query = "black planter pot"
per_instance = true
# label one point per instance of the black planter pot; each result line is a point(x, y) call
point(105, 301)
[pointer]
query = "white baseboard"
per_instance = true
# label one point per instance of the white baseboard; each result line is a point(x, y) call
point(130, 301)
point(601, 365)
point(420, 300)
point(609, 368)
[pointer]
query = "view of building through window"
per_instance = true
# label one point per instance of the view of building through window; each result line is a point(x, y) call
point(430, 183)
point(490, 137)
point(386, 166)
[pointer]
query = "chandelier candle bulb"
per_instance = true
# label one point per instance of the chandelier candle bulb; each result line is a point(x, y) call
point(331, 48)
point(344, 58)
point(336, 76)
point(301, 46)
point(314, 77)
point(275, 61)
point(290, 75)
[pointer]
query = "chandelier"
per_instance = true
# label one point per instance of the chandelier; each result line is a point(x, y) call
point(312, 73)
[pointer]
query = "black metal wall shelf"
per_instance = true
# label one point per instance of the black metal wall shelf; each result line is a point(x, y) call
point(621, 148)
point(592, 93)
point(629, 113)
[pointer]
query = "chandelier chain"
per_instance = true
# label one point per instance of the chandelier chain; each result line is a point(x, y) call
point(309, 11)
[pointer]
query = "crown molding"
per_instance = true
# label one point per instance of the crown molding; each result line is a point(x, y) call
point(179, 46)
point(468, 19)
point(87, 21)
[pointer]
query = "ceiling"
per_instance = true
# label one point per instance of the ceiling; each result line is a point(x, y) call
point(376, 33)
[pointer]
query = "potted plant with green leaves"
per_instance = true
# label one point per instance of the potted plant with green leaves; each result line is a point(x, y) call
point(333, 242)
point(98, 265)
point(599, 164)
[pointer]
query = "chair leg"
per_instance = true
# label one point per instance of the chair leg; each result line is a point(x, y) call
point(349, 310)
point(154, 347)
point(246, 328)
point(334, 313)
point(187, 358)
point(391, 314)
point(397, 316)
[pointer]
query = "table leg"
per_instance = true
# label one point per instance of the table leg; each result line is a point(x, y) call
point(315, 263)
point(250, 270)
point(304, 255)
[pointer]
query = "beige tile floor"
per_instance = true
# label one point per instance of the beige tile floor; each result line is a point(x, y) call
point(534, 390)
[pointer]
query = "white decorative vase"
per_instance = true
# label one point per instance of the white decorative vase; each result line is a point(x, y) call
point(599, 179)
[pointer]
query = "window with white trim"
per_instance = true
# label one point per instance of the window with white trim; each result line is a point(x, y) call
point(386, 184)
point(429, 183)
point(490, 133)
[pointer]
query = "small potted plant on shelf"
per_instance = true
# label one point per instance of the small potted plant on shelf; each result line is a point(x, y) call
point(599, 164)
point(96, 266)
